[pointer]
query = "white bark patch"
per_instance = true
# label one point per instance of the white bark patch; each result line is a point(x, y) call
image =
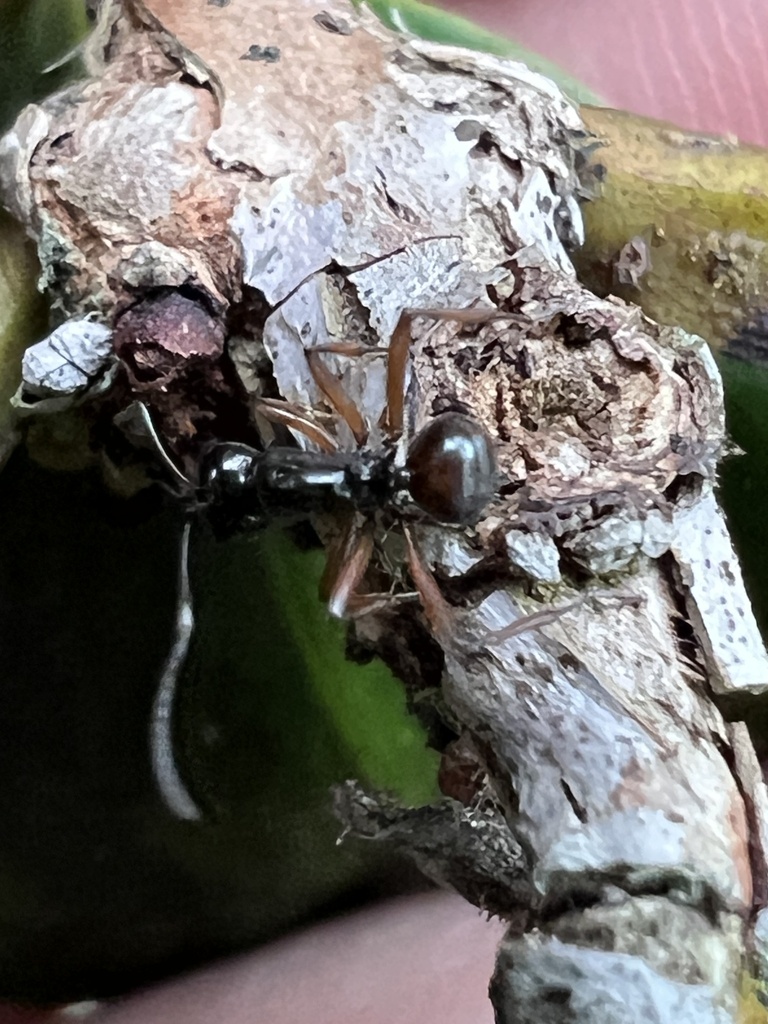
point(73, 359)
point(717, 599)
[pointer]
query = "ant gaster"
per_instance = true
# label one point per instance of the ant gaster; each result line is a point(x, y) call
point(447, 473)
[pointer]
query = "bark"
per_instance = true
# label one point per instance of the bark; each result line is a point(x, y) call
point(304, 175)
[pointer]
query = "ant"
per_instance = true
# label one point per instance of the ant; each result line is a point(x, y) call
point(446, 472)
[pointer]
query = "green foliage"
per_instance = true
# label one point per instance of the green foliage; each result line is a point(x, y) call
point(365, 702)
point(744, 478)
point(33, 35)
point(103, 889)
point(22, 315)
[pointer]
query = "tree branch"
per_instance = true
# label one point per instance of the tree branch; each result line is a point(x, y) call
point(304, 185)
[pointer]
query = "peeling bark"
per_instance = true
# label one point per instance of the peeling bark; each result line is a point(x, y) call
point(295, 174)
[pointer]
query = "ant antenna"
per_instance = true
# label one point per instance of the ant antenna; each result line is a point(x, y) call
point(154, 437)
point(164, 768)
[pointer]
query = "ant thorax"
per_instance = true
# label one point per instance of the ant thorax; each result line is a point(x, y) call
point(374, 480)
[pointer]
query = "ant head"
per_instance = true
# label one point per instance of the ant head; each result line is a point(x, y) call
point(452, 469)
point(228, 486)
point(226, 471)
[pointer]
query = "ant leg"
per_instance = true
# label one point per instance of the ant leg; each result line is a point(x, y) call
point(397, 361)
point(149, 427)
point(400, 347)
point(334, 391)
point(360, 605)
point(439, 613)
point(164, 768)
point(345, 569)
point(346, 566)
point(469, 315)
point(277, 411)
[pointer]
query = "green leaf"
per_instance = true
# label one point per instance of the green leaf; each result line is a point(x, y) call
point(34, 35)
point(22, 317)
point(365, 702)
point(744, 478)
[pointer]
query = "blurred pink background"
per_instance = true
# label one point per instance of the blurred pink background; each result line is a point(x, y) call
point(700, 63)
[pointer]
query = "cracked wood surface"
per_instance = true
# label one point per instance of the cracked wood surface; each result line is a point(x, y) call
point(310, 175)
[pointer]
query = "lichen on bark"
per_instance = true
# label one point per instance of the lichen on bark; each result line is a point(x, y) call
point(302, 185)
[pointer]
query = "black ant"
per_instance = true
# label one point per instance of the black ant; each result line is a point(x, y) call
point(447, 473)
